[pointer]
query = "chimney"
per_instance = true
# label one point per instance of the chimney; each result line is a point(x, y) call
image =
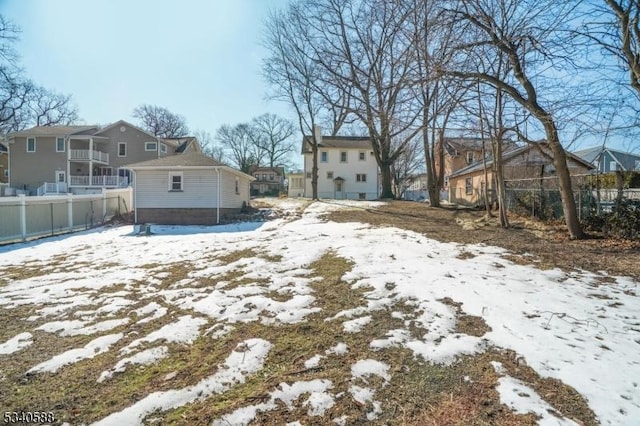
point(317, 132)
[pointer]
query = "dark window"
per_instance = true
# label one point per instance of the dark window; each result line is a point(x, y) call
point(468, 186)
point(362, 156)
point(323, 156)
point(361, 177)
point(343, 156)
point(329, 175)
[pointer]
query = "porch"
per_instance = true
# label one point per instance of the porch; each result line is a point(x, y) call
point(88, 155)
point(99, 181)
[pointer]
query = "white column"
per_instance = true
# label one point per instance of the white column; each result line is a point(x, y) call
point(104, 203)
point(70, 210)
point(68, 164)
point(90, 161)
point(23, 217)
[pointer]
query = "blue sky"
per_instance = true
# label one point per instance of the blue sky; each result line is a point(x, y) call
point(198, 58)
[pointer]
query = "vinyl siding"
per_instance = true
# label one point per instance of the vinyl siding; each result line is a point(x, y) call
point(31, 169)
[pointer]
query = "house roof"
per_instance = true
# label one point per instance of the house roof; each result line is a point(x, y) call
point(592, 155)
point(181, 144)
point(455, 146)
point(52, 131)
point(279, 170)
point(356, 142)
point(189, 160)
point(479, 165)
point(125, 123)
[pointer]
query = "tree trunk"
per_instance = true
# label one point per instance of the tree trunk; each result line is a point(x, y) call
point(432, 184)
point(385, 176)
point(564, 180)
point(502, 195)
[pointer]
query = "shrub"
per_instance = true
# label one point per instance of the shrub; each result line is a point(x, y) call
point(623, 221)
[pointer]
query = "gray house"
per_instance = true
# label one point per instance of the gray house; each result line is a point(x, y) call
point(83, 159)
point(609, 160)
point(187, 189)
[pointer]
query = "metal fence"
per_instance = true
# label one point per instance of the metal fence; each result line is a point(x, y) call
point(23, 218)
point(349, 195)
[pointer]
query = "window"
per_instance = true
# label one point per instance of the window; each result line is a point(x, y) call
point(468, 186)
point(343, 156)
point(6, 173)
point(308, 175)
point(175, 181)
point(31, 144)
point(329, 175)
point(323, 156)
point(122, 149)
point(258, 176)
point(60, 145)
point(446, 181)
point(338, 186)
point(271, 177)
point(163, 148)
point(150, 146)
point(362, 195)
point(237, 186)
point(362, 156)
point(106, 171)
point(469, 157)
point(637, 165)
point(613, 166)
point(361, 177)
point(264, 176)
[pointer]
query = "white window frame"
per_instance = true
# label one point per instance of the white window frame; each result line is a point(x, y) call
point(362, 156)
point(324, 157)
point(361, 177)
point(155, 146)
point(106, 169)
point(613, 166)
point(329, 175)
point(468, 186)
point(171, 176)
point(34, 144)
point(163, 148)
point(64, 145)
point(61, 173)
point(469, 157)
point(346, 156)
point(125, 149)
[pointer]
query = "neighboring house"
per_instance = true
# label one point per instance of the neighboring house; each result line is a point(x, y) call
point(83, 159)
point(295, 181)
point(347, 168)
point(269, 181)
point(187, 189)
point(417, 188)
point(525, 165)
point(4, 163)
point(608, 160)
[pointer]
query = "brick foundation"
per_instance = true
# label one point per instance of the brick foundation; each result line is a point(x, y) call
point(183, 216)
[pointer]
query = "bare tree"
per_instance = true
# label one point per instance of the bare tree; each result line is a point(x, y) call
point(273, 137)
point(407, 165)
point(239, 145)
point(209, 146)
point(524, 31)
point(161, 122)
point(49, 108)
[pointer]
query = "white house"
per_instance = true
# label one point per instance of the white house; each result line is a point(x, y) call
point(347, 168)
point(187, 189)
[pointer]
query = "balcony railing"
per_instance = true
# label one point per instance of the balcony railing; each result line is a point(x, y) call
point(86, 155)
point(112, 181)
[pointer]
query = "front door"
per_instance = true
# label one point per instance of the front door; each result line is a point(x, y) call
point(61, 180)
point(339, 189)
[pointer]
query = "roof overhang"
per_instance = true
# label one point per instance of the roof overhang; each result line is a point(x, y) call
point(178, 168)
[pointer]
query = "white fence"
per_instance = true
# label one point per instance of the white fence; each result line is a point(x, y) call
point(23, 218)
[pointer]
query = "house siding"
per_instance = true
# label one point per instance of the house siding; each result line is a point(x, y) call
point(346, 170)
point(135, 140)
point(30, 169)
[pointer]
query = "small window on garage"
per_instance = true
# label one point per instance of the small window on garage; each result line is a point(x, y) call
point(150, 146)
point(175, 181)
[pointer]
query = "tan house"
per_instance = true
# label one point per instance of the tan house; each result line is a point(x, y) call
point(524, 167)
point(4, 163)
point(83, 159)
point(269, 181)
point(187, 189)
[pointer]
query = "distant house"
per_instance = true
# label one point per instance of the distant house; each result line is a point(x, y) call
point(295, 184)
point(4, 163)
point(347, 168)
point(187, 189)
point(608, 160)
point(269, 181)
point(83, 159)
point(525, 165)
point(417, 188)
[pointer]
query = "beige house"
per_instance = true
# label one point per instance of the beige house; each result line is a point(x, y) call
point(347, 168)
point(83, 159)
point(188, 189)
point(295, 184)
point(524, 167)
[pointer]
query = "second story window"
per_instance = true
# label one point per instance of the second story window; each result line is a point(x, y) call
point(343, 156)
point(469, 157)
point(272, 177)
point(362, 156)
point(60, 145)
point(323, 156)
point(329, 175)
point(150, 146)
point(31, 144)
point(361, 177)
point(122, 149)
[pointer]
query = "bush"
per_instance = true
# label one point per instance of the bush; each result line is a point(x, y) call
point(623, 221)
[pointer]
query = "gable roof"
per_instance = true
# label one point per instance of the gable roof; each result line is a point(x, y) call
point(455, 146)
point(479, 165)
point(353, 142)
point(593, 155)
point(44, 131)
point(125, 123)
point(189, 160)
point(181, 144)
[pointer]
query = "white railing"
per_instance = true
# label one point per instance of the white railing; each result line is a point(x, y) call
point(114, 181)
point(52, 188)
point(86, 155)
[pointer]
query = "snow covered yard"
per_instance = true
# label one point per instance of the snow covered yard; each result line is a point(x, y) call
point(300, 320)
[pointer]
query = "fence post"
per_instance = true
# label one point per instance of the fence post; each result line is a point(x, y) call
point(23, 217)
point(70, 210)
point(104, 204)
